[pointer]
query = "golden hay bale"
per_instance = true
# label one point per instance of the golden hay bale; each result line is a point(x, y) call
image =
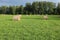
point(27, 15)
point(45, 17)
point(17, 17)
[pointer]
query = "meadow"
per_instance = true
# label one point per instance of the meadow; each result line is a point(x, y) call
point(32, 27)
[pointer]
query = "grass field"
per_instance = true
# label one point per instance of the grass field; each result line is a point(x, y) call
point(32, 27)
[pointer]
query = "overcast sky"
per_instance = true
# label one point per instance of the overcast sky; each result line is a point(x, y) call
point(22, 2)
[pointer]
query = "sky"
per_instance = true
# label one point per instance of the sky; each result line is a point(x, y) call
point(21, 2)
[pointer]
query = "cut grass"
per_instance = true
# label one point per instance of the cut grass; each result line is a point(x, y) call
point(30, 28)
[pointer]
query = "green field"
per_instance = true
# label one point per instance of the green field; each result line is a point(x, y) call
point(32, 27)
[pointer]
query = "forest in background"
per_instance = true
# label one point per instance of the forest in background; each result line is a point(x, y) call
point(37, 8)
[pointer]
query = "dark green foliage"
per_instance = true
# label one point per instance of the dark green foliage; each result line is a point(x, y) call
point(42, 7)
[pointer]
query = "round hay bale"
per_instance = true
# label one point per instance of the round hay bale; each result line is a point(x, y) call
point(17, 17)
point(45, 17)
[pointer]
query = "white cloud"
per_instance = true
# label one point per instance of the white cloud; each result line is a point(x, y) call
point(56, 1)
point(41, 0)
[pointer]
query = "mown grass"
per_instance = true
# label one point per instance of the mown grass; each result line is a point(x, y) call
point(32, 27)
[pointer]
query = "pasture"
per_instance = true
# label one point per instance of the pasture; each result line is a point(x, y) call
point(32, 27)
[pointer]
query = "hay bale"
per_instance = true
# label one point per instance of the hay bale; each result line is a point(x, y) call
point(45, 17)
point(27, 15)
point(17, 17)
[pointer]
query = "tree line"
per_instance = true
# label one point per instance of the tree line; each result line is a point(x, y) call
point(40, 8)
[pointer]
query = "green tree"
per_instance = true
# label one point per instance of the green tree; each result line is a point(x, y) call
point(3, 9)
point(35, 7)
point(51, 6)
point(28, 8)
point(12, 10)
point(58, 9)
